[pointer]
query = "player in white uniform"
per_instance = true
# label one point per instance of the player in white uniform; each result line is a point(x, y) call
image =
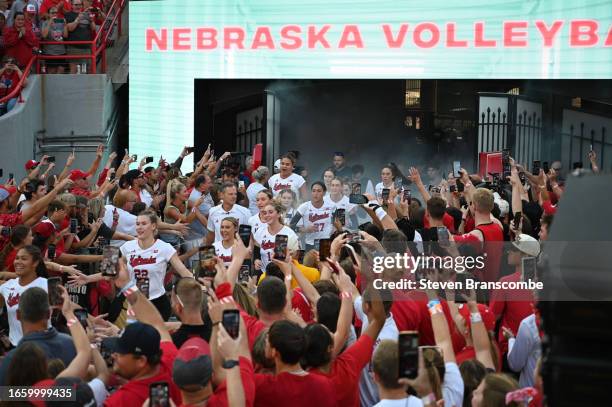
point(338, 200)
point(228, 207)
point(317, 217)
point(386, 176)
point(265, 237)
point(287, 179)
point(223, 247)
point(29, 266)
point(147, 260)
point(256, 221)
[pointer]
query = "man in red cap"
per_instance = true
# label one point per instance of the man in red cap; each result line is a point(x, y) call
point(80, 178)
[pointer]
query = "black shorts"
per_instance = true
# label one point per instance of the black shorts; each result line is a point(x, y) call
point(163, 306)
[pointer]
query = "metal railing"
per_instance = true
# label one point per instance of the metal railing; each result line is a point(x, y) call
point(19, 87)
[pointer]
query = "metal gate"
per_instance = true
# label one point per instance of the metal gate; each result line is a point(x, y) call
point(249, 131)
point(582, 131)
point(510, 121)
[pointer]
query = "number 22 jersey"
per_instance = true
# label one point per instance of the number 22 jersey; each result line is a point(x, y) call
point(148, 266)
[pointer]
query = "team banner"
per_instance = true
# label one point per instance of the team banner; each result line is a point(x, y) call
point(174, 41)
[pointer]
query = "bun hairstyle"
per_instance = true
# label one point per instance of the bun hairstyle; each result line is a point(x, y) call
point(261, 173)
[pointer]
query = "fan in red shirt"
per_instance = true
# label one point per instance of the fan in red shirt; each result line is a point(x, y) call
point(512, 306)
point(20, 41)
point(488, 235)
point(345, 369)
point(10, 75)
point(291, 385)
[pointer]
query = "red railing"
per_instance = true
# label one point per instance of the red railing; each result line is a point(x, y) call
point(98, 44)
point(18, 89)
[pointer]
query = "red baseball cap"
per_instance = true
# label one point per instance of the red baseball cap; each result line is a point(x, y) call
point(487, 316)
point(44, 229)
point(193, 364)
point(77, 174)
point(31, 164)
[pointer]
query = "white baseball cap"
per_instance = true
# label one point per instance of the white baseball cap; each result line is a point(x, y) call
point(527, 245)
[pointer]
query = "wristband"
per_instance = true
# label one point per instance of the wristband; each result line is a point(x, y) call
point(71, 322)
point(434, 307)
point(475, 317)
point(429, 399)
point(130, 285)
point(346, 294)
point(380, 213)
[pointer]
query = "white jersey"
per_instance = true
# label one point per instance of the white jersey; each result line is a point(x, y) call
point(293, 182)
point(379, 188)
point(11, 292)
point(217, 214)
point(252, 191)
point(256, 223)
point(266, 242)
point(146, 197)
point(148, 266)
point(343, 203)
point(225, 255)
point(126, 224)
point(320, 218)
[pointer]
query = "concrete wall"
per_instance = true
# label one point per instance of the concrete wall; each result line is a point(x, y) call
point(61, 112)
point(18, 129)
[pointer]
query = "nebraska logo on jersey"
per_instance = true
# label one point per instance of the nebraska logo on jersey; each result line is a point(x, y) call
point(226, 259)
point(267, 245)
point(12, 300)
point(139, 261)
point(281, 186)
point(313, 217)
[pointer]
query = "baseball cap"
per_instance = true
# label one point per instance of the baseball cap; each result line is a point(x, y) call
point(527, 245)
point(44, 229)
point(131, 175)
point(83, 394)
point(487, 316)
point(31, 164)
point(4, 194)
point(30, 8)
point(139, 339)
point(68, 199)
point(77, 174)
point(193, 364)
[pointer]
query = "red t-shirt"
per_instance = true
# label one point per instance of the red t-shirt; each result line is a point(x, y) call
point(10, 81)
point(301, 305)
point(467, 353)
point(346, 371)
point(287, 389)
point(10, 258)
point(447, 220)
point(9, 220)
point(511, 312)
point(47, 4)
point(20, 48)
point(253, 327)
point(219, 396)
point(492, 245)
point(135, 392)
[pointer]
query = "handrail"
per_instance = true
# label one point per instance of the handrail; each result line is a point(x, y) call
point(19, 88)
point(105, 29)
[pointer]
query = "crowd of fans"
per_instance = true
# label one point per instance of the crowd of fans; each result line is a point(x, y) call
point(108, 285)
point(24, 24)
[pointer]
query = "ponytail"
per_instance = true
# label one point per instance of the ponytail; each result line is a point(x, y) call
point(434, 364)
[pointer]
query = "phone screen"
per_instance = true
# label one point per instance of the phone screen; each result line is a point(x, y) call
point(190, 149)
point(356, 188)
point(143, 285)
point(51, 159)
point(460, 186)
point(244, 231)
point(207, 254)
point(442, 233)
point(81, 315)
point(134, 157)
point(159, 394)
point(385, 194)
point(516, 221)
point(535, 168)
point(148, 160)
point(110, 259)
point(407, 194)
point(456, 169)
point(73, 225)
point(545, 167)
point(245, 272)
point(358, 199)
point(324, 249)
point(529, 265)
point(341, 216)
point(11, 175)
point(280, 247)
point(408, 352)
point(55, 295)
point(231, 322)
point(506, 163)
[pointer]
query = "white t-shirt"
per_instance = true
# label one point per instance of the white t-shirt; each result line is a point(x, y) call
point(321, 218)
point(379, 187)
point(146, 197)
point(266, 242)
point(368, 392)
point(99, 391)
point(293, 182)
point(256, 223)
point(252, 191)
point(452, 386)
point(222, 253)
point(127, 223)
point(11, 292)
point(410, 401)
point(343, 203)
point(148, 265)
point(217, 214)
